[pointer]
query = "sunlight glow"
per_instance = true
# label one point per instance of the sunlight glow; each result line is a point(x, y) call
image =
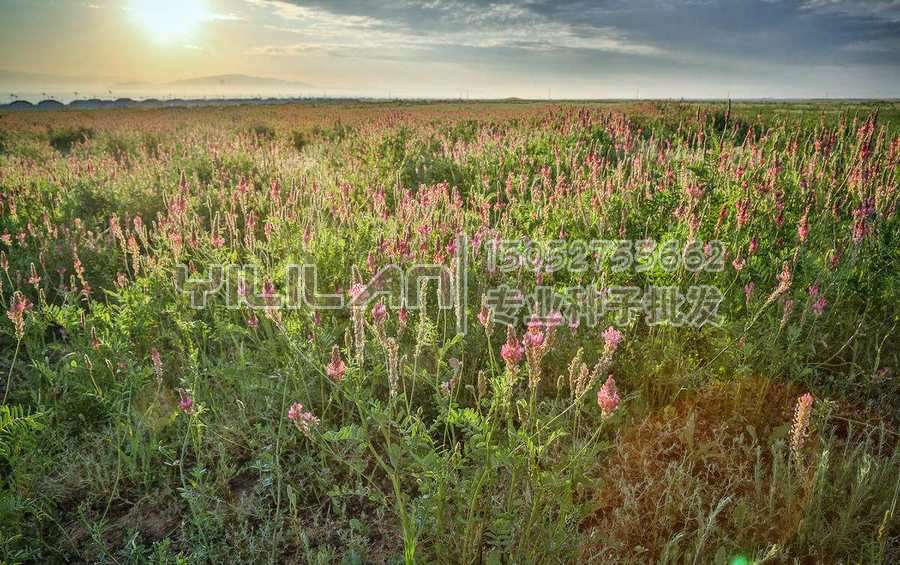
point(168, 20)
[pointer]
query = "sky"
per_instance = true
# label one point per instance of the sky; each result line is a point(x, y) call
point(459, 48)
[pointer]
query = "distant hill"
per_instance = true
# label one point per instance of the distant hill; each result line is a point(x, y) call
point(237, 81)
point(50, 105)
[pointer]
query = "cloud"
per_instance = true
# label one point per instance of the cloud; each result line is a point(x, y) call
point(888, 10)
point(794, 46)
point(226, 17)
point(284, 50)
point(443, 24)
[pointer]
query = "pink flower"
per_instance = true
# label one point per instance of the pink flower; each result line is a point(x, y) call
point(738, 263)
point(819, 306)
point(484, 317)
point(574, 323)
point(379, 313)
point(35, 278)
point(403, 317)
point(555, 319)
point(511, 351)
point(803, 228)
point(16, 313)
point(612, 338)
point(748, 290)
point(608, 397)
point(186, 403)
point(336, 369)
point(534, 337)
point(157, 364)
point(303, 419)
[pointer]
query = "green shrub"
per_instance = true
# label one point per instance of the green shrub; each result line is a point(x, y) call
point(299, 139)
point(63, 140)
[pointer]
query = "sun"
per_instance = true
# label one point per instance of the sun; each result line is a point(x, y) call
point(168, 20)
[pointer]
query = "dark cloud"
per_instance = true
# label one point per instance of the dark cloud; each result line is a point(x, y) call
point(805, 44)
point(812, 31)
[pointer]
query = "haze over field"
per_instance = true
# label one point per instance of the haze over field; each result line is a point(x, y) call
point(450, 48)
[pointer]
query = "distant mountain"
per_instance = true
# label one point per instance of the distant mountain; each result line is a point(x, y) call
point(237, 81)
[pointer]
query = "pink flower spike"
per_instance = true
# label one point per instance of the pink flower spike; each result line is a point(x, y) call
point(612, 338)
point(336, 369)
point(511, 351)
point(304, 420)
point(534, 337)
point(379, 313)
point(608, 397)
point(186, 403)
point(819, 305)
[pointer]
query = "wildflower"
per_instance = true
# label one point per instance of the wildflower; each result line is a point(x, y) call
point(357, 293)
point(612, 338)
point(4, 262)
point(800, 428)
point(803, 228)
point(485, 318)
point(581, 378)
point(534, 337)
point(16, 313)
point(186, 403)
point(35, 278)
point(554, 319)
point(753, 247)
point(738, 263)
point(835, 260)
point(862, 215)
point(608, 397)
point(574, 323)
point(379, 313)
point(336, 369)
point(157, 365)
point(253, 321)
point(511, 351)
point(748, 290)
point(303, 419)
point(403, 317)
point(784, 278)
point(819, 306)
point(788, 309)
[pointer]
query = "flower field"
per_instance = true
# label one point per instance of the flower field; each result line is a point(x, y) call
point(451, 333)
